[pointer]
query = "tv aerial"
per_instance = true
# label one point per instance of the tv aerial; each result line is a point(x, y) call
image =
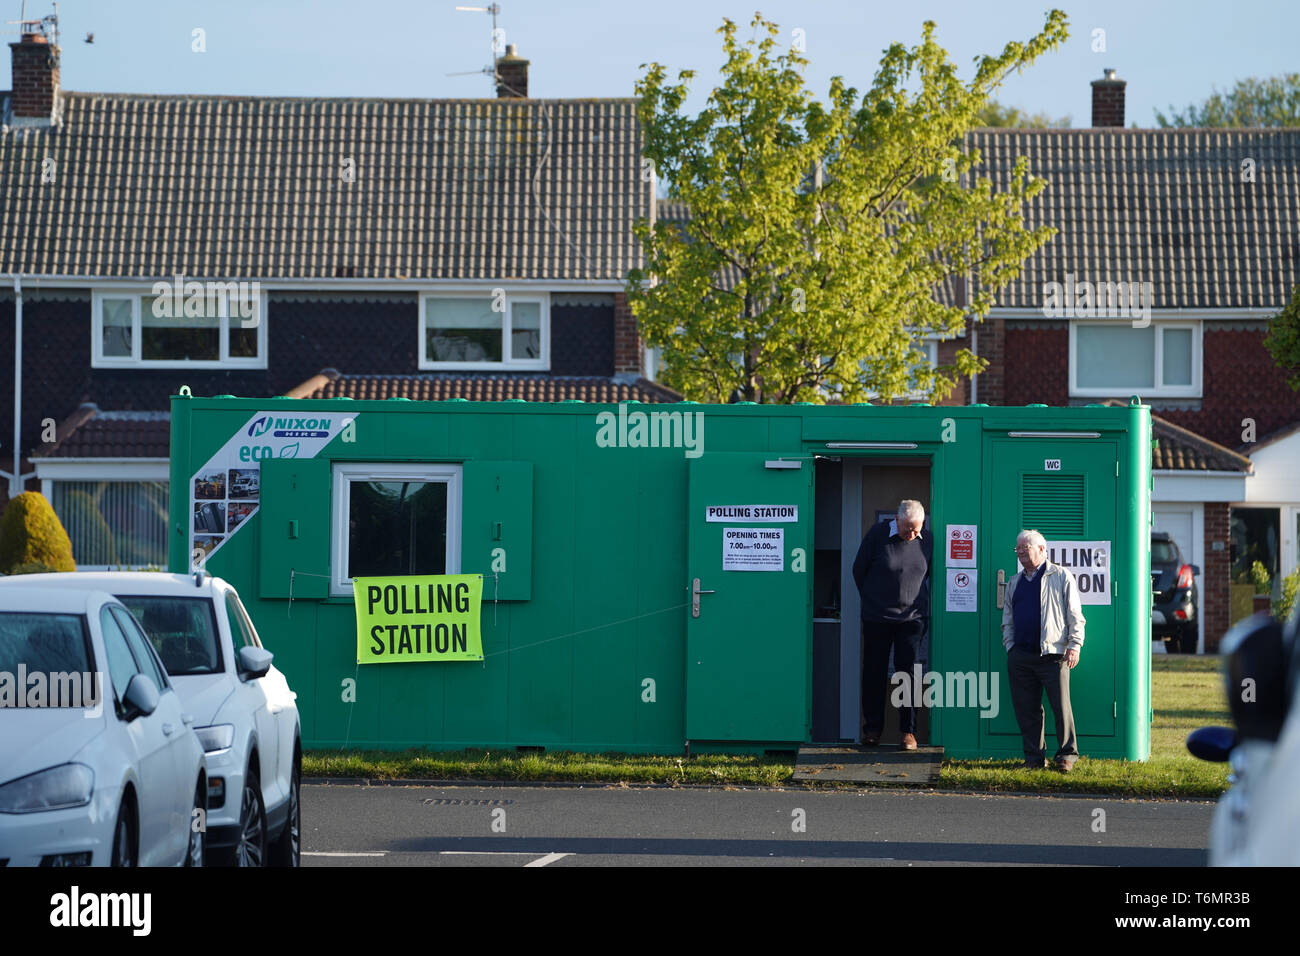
point(498, 43)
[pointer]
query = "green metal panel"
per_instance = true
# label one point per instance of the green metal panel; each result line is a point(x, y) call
point(294, 518)
point(748, 648)
point(497, 527)
point(1075, 503)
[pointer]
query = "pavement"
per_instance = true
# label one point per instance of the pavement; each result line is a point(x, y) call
point(603, 825)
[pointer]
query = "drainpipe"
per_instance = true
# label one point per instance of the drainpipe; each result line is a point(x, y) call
point(16, 479)
point(975, 350)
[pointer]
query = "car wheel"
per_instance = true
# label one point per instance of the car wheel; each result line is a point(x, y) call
point(287, 850)
point(1187, 640)
point(251, 849)
point(124, 838)
point(198, 834)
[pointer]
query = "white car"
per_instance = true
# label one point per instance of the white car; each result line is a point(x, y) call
point(246, 715)
point(1257, 821)
point(99, 765)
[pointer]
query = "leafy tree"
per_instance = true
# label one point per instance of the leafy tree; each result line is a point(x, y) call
point(1283, 339)
point(994, 113)
point(1274, 101)
point(30, 534)
point(839, 223)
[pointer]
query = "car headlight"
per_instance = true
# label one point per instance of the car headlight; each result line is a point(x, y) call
point(68, 785)
point(216, 738)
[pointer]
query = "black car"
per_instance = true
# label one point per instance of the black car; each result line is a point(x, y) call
point(1173, 595)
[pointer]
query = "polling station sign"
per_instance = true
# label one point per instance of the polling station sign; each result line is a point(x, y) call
point(1089, 561)
point(420, 617)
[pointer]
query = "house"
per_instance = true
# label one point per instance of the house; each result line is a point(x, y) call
point(1174, 248)
point(280, 245)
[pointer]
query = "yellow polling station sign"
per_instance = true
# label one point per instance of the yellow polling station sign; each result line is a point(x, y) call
point(422, 617)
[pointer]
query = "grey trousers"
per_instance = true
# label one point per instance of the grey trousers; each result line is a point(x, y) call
point(1030, 673)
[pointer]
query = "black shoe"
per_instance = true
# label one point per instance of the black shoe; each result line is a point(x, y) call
point(1029, 765)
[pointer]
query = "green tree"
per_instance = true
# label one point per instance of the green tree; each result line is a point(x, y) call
point(837, 224)
point(1274, 101)
point(1283, 339)
point(30, 534)
point(996, 114)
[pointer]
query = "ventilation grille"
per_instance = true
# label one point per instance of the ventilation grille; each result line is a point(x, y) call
point(1052, 505)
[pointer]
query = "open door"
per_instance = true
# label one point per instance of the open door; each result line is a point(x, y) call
point(749, 587)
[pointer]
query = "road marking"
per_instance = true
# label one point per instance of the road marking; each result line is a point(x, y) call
point(488, 852)
point(549, 858)
point(343, 853)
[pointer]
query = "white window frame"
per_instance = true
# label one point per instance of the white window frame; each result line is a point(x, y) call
point(1156, 391)
point(136, 360)
point(543, 300)
point(345, 472)
point(930, 341)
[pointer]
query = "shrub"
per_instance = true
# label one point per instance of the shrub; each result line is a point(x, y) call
point(30, 533)
point(1260, 577)
point(1290, 584)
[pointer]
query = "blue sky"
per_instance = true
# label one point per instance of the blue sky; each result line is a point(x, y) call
point(1169, 52)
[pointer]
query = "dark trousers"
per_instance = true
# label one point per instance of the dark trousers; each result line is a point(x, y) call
point(906, 639)
point(1029, 674)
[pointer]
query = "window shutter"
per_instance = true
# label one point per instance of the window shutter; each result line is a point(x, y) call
point(497, 527)
point(294, 515)
point(1053, 505)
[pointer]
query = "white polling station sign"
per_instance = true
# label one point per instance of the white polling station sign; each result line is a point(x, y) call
point(1089, 561)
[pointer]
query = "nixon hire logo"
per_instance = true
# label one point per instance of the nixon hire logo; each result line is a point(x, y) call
point(638, 429)
point(290, 427)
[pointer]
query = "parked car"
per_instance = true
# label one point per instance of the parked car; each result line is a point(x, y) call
point(1174, 602)
point(247, 717)
point(93, 772)
point(1257, 821)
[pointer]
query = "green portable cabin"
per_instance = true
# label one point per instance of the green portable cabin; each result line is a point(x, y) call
point(657, 577)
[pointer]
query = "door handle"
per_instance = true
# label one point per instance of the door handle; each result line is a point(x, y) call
point(695, 597)
point(187, 719)
point(1002, 588)
point(169, 729)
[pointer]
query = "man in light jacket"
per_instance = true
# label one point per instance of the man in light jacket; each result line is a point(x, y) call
point(1042, 630)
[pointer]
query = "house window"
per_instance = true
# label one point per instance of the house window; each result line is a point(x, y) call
point(220, 329)
point(395, 519)
point(467, 330)
point(925, 351)
point(1113, 358)
point(113, 524)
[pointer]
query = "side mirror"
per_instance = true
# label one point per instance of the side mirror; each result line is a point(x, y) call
point(1254, 668)
point(254, 662)
point(1212, 743)
point(141, 697)
point(1196, 570)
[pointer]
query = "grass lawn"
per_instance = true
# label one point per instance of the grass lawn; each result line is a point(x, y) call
point(1187, 692)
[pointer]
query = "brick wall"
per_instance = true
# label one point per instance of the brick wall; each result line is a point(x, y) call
point(1215, 575)
point(1037, 364)
point(35, 79)
point(992, 346)
point(960, 395)
point(628, 356)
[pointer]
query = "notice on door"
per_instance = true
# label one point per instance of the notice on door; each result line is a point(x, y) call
point(753, 549)
point(751, 513)
point(961, 591)
point(961, 545)
point(1089, 562)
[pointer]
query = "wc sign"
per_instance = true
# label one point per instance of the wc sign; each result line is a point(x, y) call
point(1089, 562)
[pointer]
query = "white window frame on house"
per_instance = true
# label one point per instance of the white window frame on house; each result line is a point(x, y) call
point(113, 470)
point(344, 473)
point(508, 363)
point(1159, 390)
point(930, 341)
point(135, 295)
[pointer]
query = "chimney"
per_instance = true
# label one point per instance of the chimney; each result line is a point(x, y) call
point(512, 75)
point(35, 92)
point(1108, 100)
